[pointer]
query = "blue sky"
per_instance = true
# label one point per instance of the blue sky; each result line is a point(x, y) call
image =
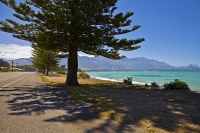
point(171, 29)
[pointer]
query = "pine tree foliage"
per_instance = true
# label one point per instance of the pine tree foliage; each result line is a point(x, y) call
point(44, 59)
point(88, 24)
point(70, 26)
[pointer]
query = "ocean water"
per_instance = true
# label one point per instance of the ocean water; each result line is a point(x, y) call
point(143, 77)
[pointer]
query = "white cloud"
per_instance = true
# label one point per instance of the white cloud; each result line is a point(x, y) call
point(14, 51)
point(83, 54)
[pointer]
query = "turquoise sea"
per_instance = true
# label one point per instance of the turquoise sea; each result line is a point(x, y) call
point(142, 77)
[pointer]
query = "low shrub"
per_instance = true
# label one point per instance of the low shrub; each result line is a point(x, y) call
point(176, 85)
point(61, 72)
point(128, 80)
point(83, 75)
point(154, 84)
point(146, 85)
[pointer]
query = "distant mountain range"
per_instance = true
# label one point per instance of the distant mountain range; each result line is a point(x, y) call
point(19, 62)
point(101, 63)
point(3, 63)
point(137, 63)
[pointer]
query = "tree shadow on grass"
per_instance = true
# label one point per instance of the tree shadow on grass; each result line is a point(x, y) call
point(125, 109)
point(153, 110)
point(159, 111)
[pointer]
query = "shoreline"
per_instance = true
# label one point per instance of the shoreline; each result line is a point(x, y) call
point(139, 83)
point(94, 80)
point(134, 83)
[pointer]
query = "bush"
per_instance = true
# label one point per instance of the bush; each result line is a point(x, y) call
point(61, 72)
point(176, 85)
point(128, 80)
point(154, 84)
point(83, 75)
point(146, 85)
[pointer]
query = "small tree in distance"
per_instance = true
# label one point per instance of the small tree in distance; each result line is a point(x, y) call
point(70, 26)
point(44, 59)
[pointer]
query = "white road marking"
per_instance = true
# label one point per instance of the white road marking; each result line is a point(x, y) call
point(14, 81)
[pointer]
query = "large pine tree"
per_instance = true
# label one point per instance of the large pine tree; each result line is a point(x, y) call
point(70, 26)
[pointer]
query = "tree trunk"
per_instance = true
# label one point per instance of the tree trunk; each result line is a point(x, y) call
point(72, 67)
point(47, 72)
point(43, 71)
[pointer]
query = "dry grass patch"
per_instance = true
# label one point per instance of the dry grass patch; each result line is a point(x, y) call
point(61, 78)
point(53, 79)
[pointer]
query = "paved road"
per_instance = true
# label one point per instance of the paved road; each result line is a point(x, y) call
point(19, 99)
point(27, 105)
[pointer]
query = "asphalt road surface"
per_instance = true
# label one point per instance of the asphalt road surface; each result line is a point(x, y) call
point(19, 100)
point(27, 105)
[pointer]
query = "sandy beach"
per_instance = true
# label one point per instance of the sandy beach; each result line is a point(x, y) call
point(152, 110)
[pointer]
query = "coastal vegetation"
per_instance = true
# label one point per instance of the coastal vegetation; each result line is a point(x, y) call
point(83, 75)
point(146, 85)
point(176, 85)
point(154, 84)
point(128, 80)
point(61, 72)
